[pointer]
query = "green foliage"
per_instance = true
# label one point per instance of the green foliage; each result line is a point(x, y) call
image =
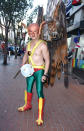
point(14, 10)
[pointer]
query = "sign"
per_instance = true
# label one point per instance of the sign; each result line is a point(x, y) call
point(76, 2)
point(76, 41)
point(68, 5)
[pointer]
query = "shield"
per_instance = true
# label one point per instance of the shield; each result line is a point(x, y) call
point(27, 70)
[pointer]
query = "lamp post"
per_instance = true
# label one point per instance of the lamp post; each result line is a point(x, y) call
point(16, 43)
point(17, 39)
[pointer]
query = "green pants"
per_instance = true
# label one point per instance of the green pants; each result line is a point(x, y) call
point(36, 77)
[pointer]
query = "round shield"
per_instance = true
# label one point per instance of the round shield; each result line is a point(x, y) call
point(27, 70)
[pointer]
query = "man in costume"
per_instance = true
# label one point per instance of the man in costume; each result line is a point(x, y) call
point(37, 55)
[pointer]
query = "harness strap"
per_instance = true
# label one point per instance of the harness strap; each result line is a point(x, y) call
point(33, 50)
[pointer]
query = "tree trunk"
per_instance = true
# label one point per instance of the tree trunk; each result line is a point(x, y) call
point(15, 48)
point(15, 39)
point(6, 46)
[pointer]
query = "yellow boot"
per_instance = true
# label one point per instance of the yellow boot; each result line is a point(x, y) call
point(28, 99)
point(39, 121)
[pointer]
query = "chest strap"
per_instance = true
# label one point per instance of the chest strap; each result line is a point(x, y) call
point(32, 52)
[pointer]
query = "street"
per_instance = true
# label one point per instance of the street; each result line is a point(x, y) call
point(64, 108)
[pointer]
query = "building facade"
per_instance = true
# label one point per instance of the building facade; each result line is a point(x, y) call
point(75, 33)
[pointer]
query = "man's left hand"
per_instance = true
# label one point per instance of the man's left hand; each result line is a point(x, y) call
point(44, 78)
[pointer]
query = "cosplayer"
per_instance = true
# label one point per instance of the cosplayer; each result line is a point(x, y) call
point(37, 55)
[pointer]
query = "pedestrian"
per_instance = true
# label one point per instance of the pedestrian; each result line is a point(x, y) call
point(9, 54)
point(38, 56)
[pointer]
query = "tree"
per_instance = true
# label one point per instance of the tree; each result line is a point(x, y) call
point(12, 11)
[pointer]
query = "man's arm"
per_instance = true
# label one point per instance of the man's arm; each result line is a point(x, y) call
point(45, 53)
point(25, 58)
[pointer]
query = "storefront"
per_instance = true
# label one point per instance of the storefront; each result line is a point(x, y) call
point(78, 57)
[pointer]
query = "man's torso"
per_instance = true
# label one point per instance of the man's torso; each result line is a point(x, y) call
point(37, 55)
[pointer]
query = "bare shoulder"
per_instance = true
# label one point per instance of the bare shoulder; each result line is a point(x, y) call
point(44, 45)
point(44, 42)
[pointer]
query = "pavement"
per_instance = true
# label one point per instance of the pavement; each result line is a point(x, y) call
point(64, 108)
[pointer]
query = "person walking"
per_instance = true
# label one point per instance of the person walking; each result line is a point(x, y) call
point(37, 55)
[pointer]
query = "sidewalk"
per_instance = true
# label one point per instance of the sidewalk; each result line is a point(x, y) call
point(79, 74)
point(64, 108)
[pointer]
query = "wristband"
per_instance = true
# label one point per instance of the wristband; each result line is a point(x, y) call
point(45, 75)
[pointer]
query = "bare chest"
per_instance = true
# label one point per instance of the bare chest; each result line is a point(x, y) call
point(37, 51)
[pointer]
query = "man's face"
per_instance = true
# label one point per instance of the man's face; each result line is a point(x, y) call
point(33, 31)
